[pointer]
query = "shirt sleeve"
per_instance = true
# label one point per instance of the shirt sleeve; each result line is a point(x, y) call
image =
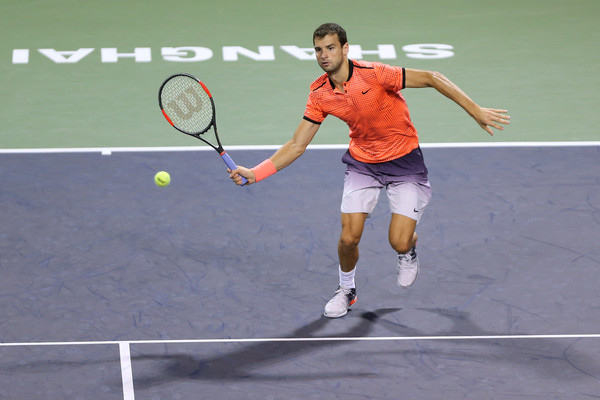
point(313, 112)
point(391, 77)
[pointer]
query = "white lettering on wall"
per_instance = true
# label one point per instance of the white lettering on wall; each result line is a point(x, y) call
point(384, 51)
point(20, 56)
point(65, 57)
point(186, 54)
point(428, 51)
point(306, 53)
point(140, 54)
point(265, 53)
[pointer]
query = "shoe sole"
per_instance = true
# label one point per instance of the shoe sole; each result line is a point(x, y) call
point(341, 315)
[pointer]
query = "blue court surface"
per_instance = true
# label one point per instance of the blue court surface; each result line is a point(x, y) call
point(113, 288)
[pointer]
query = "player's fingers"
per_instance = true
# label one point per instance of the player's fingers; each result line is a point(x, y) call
point(499, 127)
point(238, 178)
point(234, 176)
point(239, 174)
point(504, 119)
point(497, 114)
point(493, 119)
point(486, 128)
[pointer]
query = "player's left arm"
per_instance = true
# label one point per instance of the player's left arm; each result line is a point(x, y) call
point(487, 118)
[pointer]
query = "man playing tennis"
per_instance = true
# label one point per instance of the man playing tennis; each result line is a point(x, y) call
point(384, 150)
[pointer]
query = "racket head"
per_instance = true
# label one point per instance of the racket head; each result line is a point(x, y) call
point(187, 104)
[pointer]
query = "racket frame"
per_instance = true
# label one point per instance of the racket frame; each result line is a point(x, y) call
point(213, 124)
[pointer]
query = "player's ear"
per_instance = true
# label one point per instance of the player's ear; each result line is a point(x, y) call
point(345, 49)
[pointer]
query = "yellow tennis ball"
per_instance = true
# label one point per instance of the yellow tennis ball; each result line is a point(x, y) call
point(162, 178)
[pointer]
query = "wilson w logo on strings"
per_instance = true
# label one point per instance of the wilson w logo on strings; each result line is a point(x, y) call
point(190, 100)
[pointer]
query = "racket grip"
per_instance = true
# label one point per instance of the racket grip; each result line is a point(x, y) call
point(231, 165)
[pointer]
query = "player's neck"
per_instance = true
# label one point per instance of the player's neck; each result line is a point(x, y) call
point(340, 75)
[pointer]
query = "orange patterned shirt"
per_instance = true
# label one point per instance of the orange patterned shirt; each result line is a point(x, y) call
point(373, 108)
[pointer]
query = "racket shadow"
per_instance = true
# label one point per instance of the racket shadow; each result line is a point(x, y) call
point(246, 362)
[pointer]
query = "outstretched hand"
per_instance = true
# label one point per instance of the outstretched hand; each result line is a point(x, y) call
point(236, 175)
point(489, 118)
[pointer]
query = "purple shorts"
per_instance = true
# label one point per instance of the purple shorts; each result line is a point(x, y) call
point(361, 193)
point(407, 186)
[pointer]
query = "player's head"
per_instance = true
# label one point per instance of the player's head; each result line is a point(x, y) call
point(331, 47)
point(330, 29)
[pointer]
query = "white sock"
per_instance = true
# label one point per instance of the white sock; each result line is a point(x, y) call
point(347, 279)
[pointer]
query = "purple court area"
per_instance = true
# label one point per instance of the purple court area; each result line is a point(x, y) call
point(92, 251)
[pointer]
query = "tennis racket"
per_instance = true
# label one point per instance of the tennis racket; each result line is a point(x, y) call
point(189, 107)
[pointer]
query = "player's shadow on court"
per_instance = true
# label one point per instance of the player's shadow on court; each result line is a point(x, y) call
point(245, 362)
point(560, 359)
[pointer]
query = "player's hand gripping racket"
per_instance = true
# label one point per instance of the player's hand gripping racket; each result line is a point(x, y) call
point(189, 107)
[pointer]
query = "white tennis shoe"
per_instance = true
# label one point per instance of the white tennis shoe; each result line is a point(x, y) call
point(339, 303)
point(408, 268)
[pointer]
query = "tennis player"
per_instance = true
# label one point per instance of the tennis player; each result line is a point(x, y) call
point(383, 153)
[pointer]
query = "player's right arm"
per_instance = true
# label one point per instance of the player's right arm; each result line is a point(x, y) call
point(295, 147)
point(284, 156)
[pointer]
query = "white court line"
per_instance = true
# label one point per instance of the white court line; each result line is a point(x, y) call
point(126, 371)
point(110, 150)
point(125, 352)
point(309, 339)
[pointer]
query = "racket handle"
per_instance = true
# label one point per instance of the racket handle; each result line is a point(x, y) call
point(231, 165)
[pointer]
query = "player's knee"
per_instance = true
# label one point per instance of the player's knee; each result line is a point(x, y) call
point(349, 241)
point(400, 245)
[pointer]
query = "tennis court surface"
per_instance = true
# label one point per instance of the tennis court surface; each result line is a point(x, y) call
point(113, 288)
point(204, 289)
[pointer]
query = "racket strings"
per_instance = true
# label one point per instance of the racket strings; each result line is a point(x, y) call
point(187, 104)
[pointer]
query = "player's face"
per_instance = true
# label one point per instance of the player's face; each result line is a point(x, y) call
point(330, 53)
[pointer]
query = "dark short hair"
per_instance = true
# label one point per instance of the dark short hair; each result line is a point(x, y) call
point(328, 29)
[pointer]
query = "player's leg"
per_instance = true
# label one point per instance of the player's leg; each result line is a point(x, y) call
point(402, 233)
point(360, 196)
point(361, 193)
point(407, 203)
point(403, 239)
point(345, 295)
point(352, 229)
